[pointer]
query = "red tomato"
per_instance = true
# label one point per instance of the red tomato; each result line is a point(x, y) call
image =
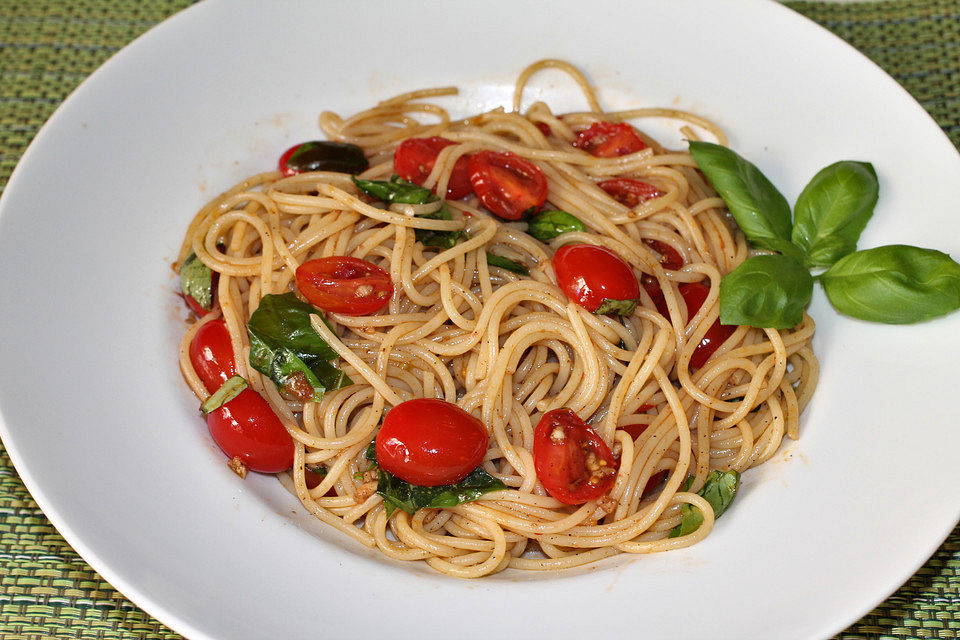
point(246, 427)
point(629, 192)
point(414, 159)
point(211, 354)
point(544, 129)
point(670, 259)
point(341, 284)
point(589, 274)
point(573, 464)
point(609, 139)
point(694, 294)
point(507, 185)
point(635, 430)
point(430, 442)
point(284, 162)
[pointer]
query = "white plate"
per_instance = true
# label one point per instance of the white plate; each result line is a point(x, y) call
point(107, 438)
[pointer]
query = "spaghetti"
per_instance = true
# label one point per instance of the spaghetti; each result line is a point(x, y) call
point(508, 348)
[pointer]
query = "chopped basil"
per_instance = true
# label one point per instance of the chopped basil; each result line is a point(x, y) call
point(286, 348)
point(227, 392)
point(547, 225)
point(719, 490)
point(398, 190)
point(196, 281)
point(505, 263)
point(398, 493)
point(622, 308)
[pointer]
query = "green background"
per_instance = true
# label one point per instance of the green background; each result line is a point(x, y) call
point(48, 47)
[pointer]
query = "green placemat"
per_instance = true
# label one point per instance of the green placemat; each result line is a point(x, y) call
point(48, 47)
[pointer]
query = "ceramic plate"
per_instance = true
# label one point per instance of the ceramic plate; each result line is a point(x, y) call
point(107, 438)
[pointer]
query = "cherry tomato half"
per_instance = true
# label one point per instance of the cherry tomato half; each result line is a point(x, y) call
point(430, 442)
point(507, 185)
point(573, 463)
point(246, 427)
point(609, 140)
point(211, 354)
point(342, 284)
point(694, 293)
point(629, 192)
point(414, 159)
point(589, 275)
point(670, 259)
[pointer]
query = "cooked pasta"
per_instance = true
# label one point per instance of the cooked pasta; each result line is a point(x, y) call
point(506, 347)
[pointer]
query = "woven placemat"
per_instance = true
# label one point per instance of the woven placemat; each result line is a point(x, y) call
point(47, 47)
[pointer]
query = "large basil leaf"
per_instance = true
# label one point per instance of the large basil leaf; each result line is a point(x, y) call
point(547, 225)
point(506, 263)
point(769, 291)
point(761, 211)
point(719, 490)
point(196, 281)
point(286, 348)
point(895, 284)
point(833, 210)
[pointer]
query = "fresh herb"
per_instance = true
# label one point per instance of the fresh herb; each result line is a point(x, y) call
point(547, 225)
point(766, 291)
point(398, 190)
point(505, 263)
point(759, 209)
point(622, 308)
point(227, 392)
point(895, 284)
point(832, 211)
point(196, 281)
point(398, 493)
point(719, 490)
point(327, 155)
point(286, 348)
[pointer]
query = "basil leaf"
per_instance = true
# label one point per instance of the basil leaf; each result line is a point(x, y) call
point(327, 155)
point(285, 347)
point(833, 210)
point(761, 211)
point(547, 225)
point(895, 284)
point(396, 190)
point(439, 239)
point(620, 307)
point(719, 490)
point(769, 291)
point(227, 392)
point(398, 493)
point(505, 263)
point(196, 281)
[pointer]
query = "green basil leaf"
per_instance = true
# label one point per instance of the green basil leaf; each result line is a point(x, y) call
point(396, 190)
point(622, 308)
point(398, 493)
point(761, 211)
point(227, 392)
point(547, 225)
point(196, 281)
point(505, 263)
point(833, 210)
point(439, 239)
point(719, 490)
point(284, 346)
point(327, 155)
point(769, 291)
point(895, 284)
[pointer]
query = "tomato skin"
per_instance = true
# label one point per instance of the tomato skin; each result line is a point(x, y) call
point(572, 462)
point(670, 259)
point(430, 442)
point(694, 294)
point(609, 140)
point(211, 354)
point(414, 158)
point(629, 192)
point(508, 185)
point(588, 274)
point(246, 427)
point(343, 284)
